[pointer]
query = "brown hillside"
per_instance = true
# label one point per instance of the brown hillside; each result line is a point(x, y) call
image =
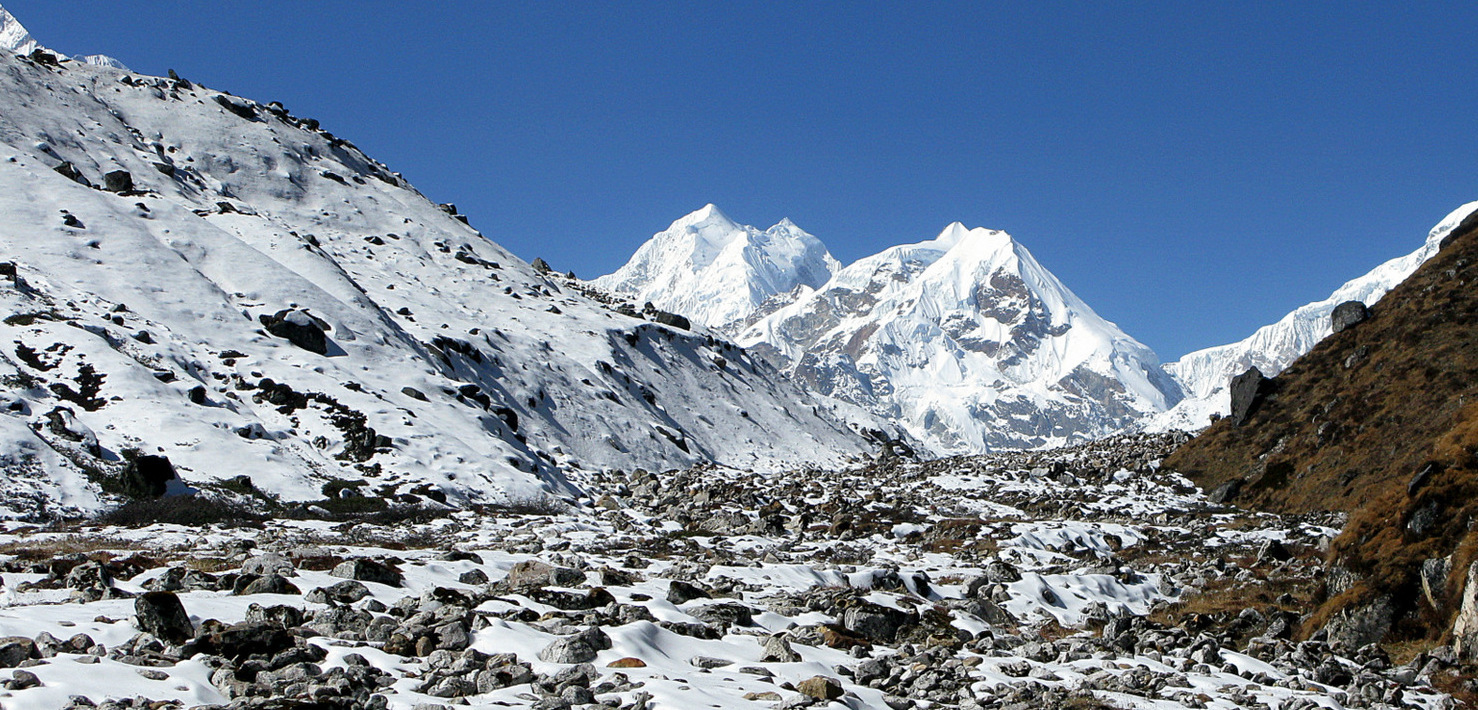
point(1350, 425)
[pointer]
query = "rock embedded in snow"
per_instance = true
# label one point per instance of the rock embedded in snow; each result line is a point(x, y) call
point(363, 569)
point(820, 688)
point(162, 614)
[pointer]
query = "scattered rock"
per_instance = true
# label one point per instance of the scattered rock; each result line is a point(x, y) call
point(299, 328)
point(1348, 315)
point(162, 614)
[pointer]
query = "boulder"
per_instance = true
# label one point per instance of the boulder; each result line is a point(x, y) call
point(1358, 626)
point(269, 584)
point(1434, 579)
point(820, 687)
point(533, 574)
point(70, 172)
point(777, 650)
point(15, 650)
point(298, 328)
point(876, 622)
point(1248, 391)
point(118, 181)
point(680, 592)
point(580, 648)
point(162, 614)
point(269, 563)
point(147, 476)
point(364, 569)
point(1348, 315)
point(345, 592)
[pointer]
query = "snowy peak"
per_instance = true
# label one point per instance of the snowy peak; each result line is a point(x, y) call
point(13, 36)
point(718, 272)
point(970, 342)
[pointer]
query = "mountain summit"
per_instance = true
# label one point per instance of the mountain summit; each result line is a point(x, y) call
point(971, 343)
point(719, 273)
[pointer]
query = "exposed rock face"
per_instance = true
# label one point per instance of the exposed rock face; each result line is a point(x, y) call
point(118, 181)
point(1465, 625)
point(147, 476)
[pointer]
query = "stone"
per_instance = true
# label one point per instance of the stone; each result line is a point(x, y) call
point(163, 615)
point(1368, 623)
point(270, 584)
point(15, 650)
point(1226, 492)
point(364, 569)
point(147, 476)
point(777, 649)
point(1348, 315)
point(820, 687)
point(299, 328)
point(70, 172)
point(1273, 551)
point(680, 592)
point(1248, 390)
point(876, 622)
point(627, 662)
point(269, 563)
point(1465, 626)
point(1434, 579)
point(533, 574)
point(345, 592)
point(725, 614)
point(580, 648)
point(118, 181)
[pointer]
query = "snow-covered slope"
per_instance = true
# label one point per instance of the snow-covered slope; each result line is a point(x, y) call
point(970, 344)
point(719, 273)
point(134, 319)
point(1205, 374)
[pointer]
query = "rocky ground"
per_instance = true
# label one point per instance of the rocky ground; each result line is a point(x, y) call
point(1078, 578)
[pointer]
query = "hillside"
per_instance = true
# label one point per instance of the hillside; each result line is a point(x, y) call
point(211, 279)
point(1379, 420)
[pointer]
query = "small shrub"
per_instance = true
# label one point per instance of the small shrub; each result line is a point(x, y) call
point(181, 510)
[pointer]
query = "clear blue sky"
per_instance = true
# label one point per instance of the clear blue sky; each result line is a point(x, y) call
point(1192, 170)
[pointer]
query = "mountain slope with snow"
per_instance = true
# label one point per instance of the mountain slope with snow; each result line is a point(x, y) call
point(720, 273)
point(149, 318)
point(16, 39)
point(970, 343)
point(1205, 374)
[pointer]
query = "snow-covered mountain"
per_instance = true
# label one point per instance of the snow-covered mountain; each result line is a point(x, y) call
point(720, 273)
point(200, 276)
point(1204, 375)
point(970, 344)
point(14, 38)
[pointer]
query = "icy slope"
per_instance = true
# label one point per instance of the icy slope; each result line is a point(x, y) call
point(971, 343)
point(450, 367)
point(1205, 374)
point(719, 273)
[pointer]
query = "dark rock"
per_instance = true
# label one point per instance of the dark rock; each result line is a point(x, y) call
point(1226, 492)
point(70, 220)
point(413, 393)
point(70, 172)
point(147, 476)
point(1273, 551)
point(345, 592)
point(665, 318)
point(540, 265)
point(15, 650)
point(1358, 626)
point(162, 614)
point(367, 570)
point(270, 584)
point(197, 394)
point(1422, 477)
point(726, 614)
point(876, 622)
point(239, 109)
point(1248, 391)
point(1348, 315)
point(299, 328)
point(680, 592)
point(241, 640)
point(118, 181)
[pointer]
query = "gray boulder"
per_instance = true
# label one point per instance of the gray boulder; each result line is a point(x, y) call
point(1248, 391)
point(298, 328)
point(162, 614)
point(1348, 315)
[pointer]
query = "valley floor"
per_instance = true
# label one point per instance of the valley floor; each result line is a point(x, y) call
point(1077, 578)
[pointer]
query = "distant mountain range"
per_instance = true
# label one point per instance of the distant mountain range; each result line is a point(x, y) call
point(965, 340)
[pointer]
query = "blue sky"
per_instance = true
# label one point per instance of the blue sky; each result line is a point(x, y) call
point(1192, 170)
